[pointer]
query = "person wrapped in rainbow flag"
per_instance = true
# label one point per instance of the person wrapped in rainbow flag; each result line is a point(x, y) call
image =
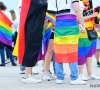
point(6, 32)
point(86, 47)
point(97, 27)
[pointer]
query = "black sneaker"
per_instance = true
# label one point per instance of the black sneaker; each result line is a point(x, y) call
point(14, 64)
point(2, 65)
point(98, 64)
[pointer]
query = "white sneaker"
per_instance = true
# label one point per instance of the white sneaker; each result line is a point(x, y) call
point(22, 72)
point(82, 77)
point(7, 61)
point(78, 81)
point(46, 76)
point(93, 77)
point(31, 79)
point(59, 81)
point(53, 77)
point(34, 72)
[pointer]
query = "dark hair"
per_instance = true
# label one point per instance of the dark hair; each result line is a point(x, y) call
point(2, 6)
point(13, 14)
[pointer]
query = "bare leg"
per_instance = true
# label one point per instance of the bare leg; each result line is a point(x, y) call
point(89, 65)
point(80, 68)
point(28, 71)
point(97, 55)
point(48, 56)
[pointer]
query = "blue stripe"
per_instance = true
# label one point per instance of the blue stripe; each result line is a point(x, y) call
point(83, 51)
point(6, 36)
point(66, 23)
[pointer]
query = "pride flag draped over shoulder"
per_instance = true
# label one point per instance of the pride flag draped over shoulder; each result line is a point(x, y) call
point(5, 29)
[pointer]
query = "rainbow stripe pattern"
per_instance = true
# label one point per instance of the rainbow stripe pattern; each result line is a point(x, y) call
point(66, 39)
point(5, 29)
point(86, 48)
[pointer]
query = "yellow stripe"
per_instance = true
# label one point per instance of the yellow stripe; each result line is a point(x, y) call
point(49, 25)
point(5, 26)
point(51, 16)
point(66, 39)
point(15, 50)
point(83, 35)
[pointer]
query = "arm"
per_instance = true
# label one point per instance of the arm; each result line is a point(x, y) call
point(91, 16)
point(79, 15)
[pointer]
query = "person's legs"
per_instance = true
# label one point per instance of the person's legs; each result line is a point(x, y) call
point(47, 61)
point(48, 56)
point(89, 65)
point(9, 51)
point(75, 80)
point(2, 57)
point(59, 72)
point(74, 71)
point(89, 69)
point(22, 69)
point(97, 56)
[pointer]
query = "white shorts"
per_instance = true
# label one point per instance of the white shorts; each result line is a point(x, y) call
point(98, 43)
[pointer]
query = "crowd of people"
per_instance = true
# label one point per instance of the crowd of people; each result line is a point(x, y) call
point(51, 30)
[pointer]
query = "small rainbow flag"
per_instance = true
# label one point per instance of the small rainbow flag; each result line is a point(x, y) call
point(51, 18)
point(5, 29)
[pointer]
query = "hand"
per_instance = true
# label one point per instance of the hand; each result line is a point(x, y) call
point(83, 31)
point(82, 28)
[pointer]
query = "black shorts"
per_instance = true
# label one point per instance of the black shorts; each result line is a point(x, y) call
point(52, 35)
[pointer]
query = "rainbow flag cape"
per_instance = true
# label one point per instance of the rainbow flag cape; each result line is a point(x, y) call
point(5, 29)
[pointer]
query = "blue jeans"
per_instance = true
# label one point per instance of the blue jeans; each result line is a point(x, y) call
point(2, 56)
point(22, 68)
point(9, 51)
point(59, 71)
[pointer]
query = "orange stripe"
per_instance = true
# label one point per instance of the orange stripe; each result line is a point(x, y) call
point(65, 48)
point(66, 58)
point(5, 19)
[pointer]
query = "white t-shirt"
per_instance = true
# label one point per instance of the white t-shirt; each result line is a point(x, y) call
point(81, 6)
point(15, 25)
point(62, 5)
point(72, 11)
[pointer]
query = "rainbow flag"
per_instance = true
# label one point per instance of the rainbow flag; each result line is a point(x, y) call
point(51, 18)
point(86, 48)
point(5, 29)
point(46, 35)
point(66, 39)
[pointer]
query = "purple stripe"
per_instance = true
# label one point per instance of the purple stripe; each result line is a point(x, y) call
point(92, 52)
point(70, 16)
point(5, 41)
point(82, 59)
point(41, 56)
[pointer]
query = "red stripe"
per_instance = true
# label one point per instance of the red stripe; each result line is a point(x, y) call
point(24, 12)
point(5, 19)
point(66, 58)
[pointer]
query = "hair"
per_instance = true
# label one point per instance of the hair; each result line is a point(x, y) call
point(13, 14)
point(2, 6)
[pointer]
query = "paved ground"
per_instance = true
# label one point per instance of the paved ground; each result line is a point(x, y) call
point(10, 79)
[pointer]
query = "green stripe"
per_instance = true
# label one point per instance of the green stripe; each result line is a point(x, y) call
point(66, 31)
point(84, 42)
point(5, 31)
